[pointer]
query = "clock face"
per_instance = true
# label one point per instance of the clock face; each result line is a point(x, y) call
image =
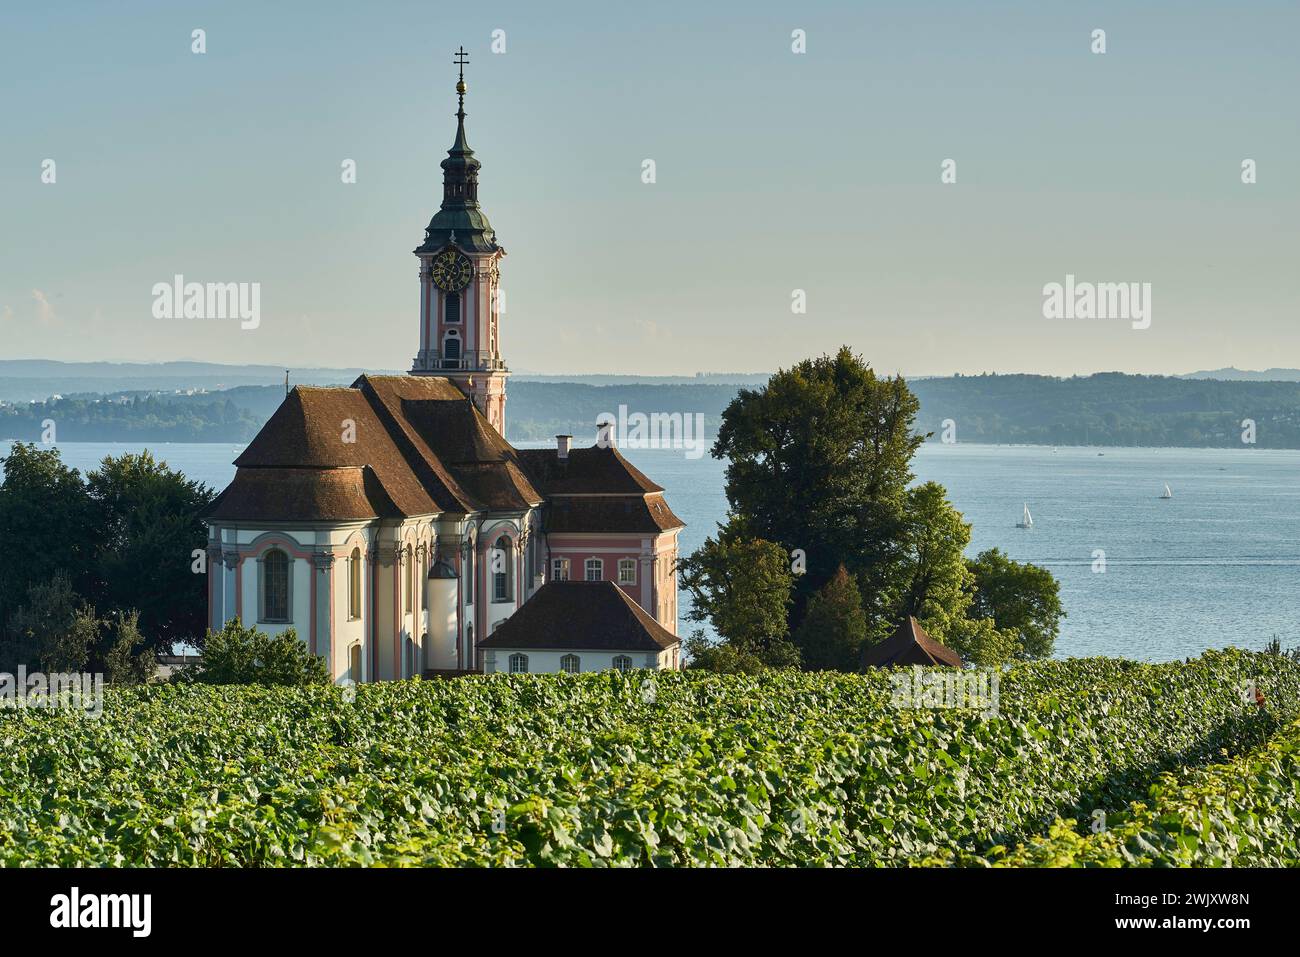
point(452, 270)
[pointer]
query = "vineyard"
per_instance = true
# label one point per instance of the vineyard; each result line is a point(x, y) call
point(671, 769)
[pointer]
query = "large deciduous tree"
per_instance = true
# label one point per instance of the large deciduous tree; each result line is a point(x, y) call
point(123, 539)
point(741, 584)
point(820, 464)
point(46, 525)
point(149, 528)
point(1018, 596)
point(819, 461)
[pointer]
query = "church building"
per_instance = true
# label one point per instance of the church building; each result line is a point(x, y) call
point(394, 528)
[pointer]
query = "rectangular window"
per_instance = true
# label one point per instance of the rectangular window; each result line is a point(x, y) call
point(627, 571)
point(560, 570)
point(595, 569)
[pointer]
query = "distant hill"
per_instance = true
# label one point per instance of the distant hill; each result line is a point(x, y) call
point(1103, 409)
point(1111, 408)
point(25, 380)
point(1230, 374)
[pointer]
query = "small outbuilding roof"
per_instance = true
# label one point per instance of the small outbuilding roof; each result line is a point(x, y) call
point(909, 645)
point(595, 616)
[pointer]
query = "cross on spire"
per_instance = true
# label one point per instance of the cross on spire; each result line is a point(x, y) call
point(461, 59)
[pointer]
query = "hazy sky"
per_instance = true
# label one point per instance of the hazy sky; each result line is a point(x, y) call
point(775, 171)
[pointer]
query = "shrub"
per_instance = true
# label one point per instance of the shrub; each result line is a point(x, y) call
point(237, 655)
point(129, 660)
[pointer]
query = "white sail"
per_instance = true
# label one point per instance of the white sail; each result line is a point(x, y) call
point(1169, 493)
point(1027, 521)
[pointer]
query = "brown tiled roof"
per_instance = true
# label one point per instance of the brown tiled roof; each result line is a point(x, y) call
point(579, 615)
point(648, 514)
point(593, 471)
point(425, 449)
point(386, 393)
point(291, 495)
point(909, 645)
point(307, 431)
point(455, 439)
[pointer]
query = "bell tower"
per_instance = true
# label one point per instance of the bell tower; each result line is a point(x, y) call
point(460, 332)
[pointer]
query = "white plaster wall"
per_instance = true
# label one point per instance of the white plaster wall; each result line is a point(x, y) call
point(548, 662)
point(300, 569)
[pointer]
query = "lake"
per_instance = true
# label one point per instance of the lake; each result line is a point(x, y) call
point(1217, 564)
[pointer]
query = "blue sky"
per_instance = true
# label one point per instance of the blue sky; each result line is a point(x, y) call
point(775, 172)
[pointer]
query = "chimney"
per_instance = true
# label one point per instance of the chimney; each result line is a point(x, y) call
point(605, 433)
point(562, 443)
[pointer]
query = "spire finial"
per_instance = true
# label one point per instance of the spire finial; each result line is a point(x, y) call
point(461, 59)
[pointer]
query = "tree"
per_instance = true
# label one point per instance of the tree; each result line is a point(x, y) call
point(820, 461)
point(742, 585)
point(980, 642)
point(834, 628)
point(237, 655)
point(46, 525)
point(722, 657)
point(148, 518)
point(53, 631)
point(931, 581)
point(128, 659)
point(1017, 596)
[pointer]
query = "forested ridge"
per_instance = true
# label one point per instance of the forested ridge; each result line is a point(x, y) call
point(1103, 409)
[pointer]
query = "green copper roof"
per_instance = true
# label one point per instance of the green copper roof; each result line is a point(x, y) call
point(459, 220)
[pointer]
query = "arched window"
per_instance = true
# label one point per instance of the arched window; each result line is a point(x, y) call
point(354, 585)
point(595, 569)
point(627, 571)
point(275, 585)
point(571, 664)
point(470, 570)
point(518, 664)
point(354, 663)
point(622, 663)
point(503, 566)
point(452, 313)
point(451, 350)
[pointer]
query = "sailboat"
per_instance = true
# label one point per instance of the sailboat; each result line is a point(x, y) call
point(1027, 521)
point(1168, 492)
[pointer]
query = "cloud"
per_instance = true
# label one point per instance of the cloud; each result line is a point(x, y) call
point(651, 330)
point(44, 311)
